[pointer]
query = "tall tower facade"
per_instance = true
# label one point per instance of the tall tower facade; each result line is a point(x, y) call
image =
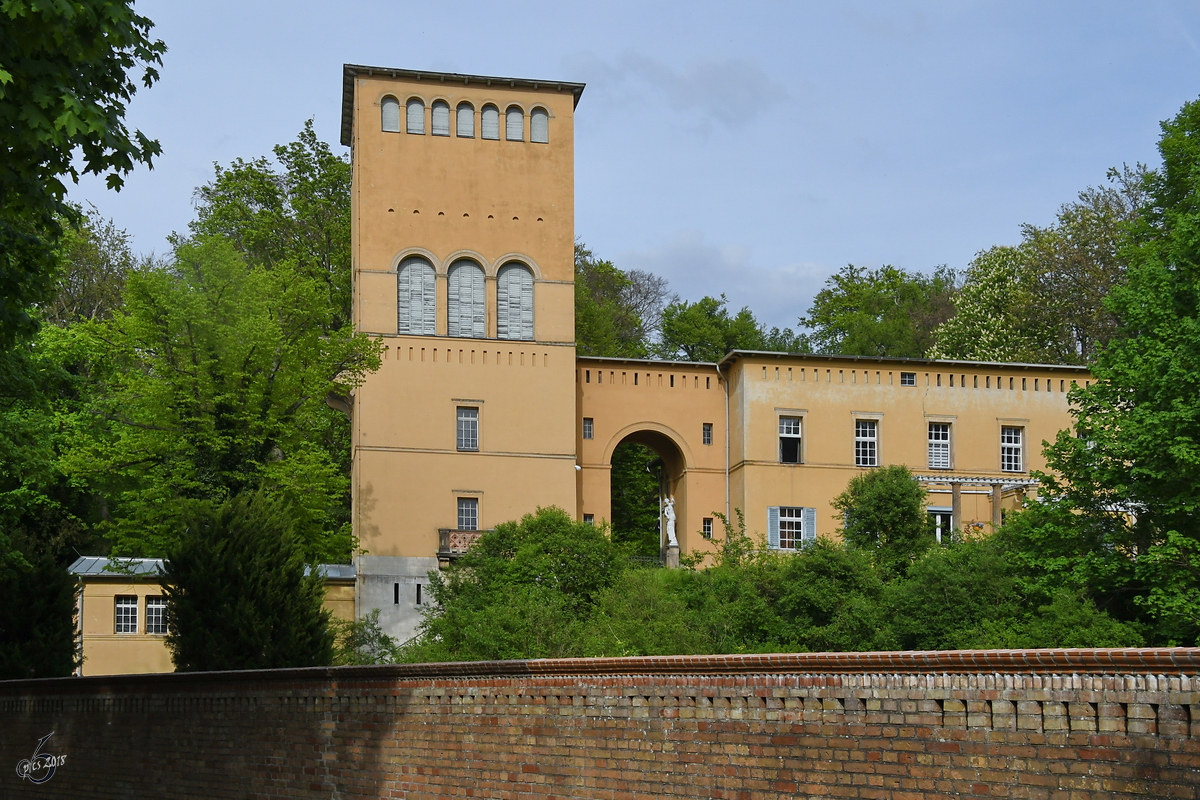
point(463, 250)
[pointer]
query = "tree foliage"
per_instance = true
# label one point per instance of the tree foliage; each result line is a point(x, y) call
point(616, 312)
point(93, 261)
point(706, 331)
point(880, 312)
point(240, 593)
point(635, 498)
point(67, 72)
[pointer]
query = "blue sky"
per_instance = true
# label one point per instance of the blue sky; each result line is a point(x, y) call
point(745, 148)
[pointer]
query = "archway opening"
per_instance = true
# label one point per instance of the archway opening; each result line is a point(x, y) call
point(647, 469)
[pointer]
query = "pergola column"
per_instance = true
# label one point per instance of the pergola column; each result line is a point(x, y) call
point(956, 505)
point(997, 496)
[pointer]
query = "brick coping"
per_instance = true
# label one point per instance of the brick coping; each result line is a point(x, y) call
point(1125, 660)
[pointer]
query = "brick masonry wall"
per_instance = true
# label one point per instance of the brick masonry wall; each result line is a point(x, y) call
point(1058, 725)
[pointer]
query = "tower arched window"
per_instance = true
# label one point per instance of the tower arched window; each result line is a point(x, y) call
point(514, 302)
point(390, 113)
point(514, 124)
point(441, 118)
point(466, 301)
point(466, 120)
point(489, 123)
point(416, 115)
point(416, 297)
point(539, 126)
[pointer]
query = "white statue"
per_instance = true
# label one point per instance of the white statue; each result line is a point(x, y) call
point(669, 511)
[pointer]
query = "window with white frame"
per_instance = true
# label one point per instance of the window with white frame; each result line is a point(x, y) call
point(942, 520)
point(465, 123)
point(415, 115)
point(1010, 449)
point(589, 428)
point(126, 614)
point(468, 428)
point(706, 528)
point(390, 115)
point(706, 434)
point(440, 118)
point(156, 615)
point(789, 528)
point(908, 379)
point(789, 440)
point(468, 513)
point(589, 519)
point(866, 443)
point(939, 445)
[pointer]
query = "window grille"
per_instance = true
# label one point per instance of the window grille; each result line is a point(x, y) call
point(908, 379)
point(468, 428)
point(789, 528)
point(1010, 449)
point(789, 440)
point(866, 441)
point(588, 428)
point(156, 615)
point(126, 614)
point(707, 527)
point(939, 445)
point(468, 514)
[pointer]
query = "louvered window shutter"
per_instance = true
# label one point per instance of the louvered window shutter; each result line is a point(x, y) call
point(514, 124)
point(453, 306)
point(391, 115)
point(416, 292)
point(466, 301)
point(514, 302)
point(503, 282)
point(416, 116)
point(441, 119)
point(773, 527)
point(526, 305)
point(466, 120)
point(478, 304)
point(810, 525)
point(490, 124)
point(539, 126)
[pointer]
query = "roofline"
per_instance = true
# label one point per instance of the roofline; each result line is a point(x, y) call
point(733, 355)
point(618, 360)
point(350, 71)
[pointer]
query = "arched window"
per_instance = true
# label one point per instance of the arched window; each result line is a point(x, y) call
point(514, 302)
point(466, 120)
point(416, 115)
point(441, 118)
point(489, 125)
point(391, 115)
point(539, 126)
point(466, 301)
point(416, 297)
point(514, 124)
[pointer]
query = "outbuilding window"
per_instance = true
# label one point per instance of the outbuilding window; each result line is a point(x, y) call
point(789, 528)
point(126, 608)
point(789, 440)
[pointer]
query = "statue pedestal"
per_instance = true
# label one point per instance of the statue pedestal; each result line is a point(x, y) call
point(673, 556)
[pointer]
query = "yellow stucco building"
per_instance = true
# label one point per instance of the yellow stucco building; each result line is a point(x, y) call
point(463, 234)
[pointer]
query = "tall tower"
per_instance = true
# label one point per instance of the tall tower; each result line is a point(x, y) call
point(463, 250)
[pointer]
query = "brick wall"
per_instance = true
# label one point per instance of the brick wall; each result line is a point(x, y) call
point(1059, 725)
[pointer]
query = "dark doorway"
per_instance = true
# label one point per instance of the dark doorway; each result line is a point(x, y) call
point(636, 485)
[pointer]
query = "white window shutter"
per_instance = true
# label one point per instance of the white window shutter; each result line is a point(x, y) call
point(466, 301)
point(773, 527)
point(490, 123)
point(441, 118)
point(391, 115)
point(429, 304)
point(539, 126)
point(514, 124)
point(810, 525)
point(453, 305)
point(514, 302)
point(466, 120)
point(526, 305)
point(416, 115)
point(403, 297)
point(416, 295)
point(503, 282)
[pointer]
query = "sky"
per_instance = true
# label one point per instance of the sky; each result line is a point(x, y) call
point(749, 149)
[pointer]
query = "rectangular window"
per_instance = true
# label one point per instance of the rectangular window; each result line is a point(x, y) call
point(156, 615)
point(1010, 449)
point(789, 440)
point(790, 528)
point(866, 443)
point(395, 594)
point(589, 519)
point(468, 428)
point(943, 521)
point(706, 433)
point(420, 599)
point(468, 514)
point(126, 614)
point(707, 527)
point(588, 428)
point(908, 379)
point(939, 445)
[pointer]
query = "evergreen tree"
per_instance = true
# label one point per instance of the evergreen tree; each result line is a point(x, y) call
point(239, 593)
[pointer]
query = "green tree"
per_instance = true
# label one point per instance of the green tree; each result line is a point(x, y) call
point(93, 261)
point(240, 593)
point(65, 81)
point(293, 218)
point(635, 498)
point(214, 379)
point(883, 512)
point(879, 312)
point(705, 330)
point(362, 641)
point(616, 312)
